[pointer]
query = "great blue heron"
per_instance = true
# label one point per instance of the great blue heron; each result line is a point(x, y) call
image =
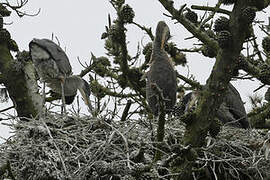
point(231, 111)
point(161, 73)
point(54, 69)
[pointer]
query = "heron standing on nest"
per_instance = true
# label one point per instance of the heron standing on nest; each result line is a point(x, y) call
point(53, 67)
point(161, 73)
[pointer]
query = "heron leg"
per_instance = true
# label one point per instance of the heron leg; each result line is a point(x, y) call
point(42, 111)
point(63, 109)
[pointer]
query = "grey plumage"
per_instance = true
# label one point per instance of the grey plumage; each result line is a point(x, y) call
point(161, 72)
point(53, 67)
point(231, 111)
point(57, 61)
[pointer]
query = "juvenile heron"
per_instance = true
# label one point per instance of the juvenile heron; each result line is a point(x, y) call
point(231, 111)
point(161, 73)
point(53, 67)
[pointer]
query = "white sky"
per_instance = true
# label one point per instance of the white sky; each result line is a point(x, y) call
point(79, 25)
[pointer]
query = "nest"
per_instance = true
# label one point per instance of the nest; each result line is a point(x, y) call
point(57, 147)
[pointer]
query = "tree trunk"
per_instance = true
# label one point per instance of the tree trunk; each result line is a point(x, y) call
point(19, 79)
point(218, 81)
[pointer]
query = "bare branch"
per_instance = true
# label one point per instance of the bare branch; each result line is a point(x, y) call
point(216, 8)
point(6, 109)
point(178, 15)
point(147, 30)
point(213, 9)
point(19, 6)
point(126, 110)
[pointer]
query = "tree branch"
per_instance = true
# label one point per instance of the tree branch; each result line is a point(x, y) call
point(194, 84)
point(6, 109)
point(177, 15)
point(20, 81)
point(213, 9)
point(260, 118)
point(255, 72)
point(147, 30)
point(126, 110)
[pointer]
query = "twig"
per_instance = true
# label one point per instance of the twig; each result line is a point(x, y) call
point(178, 15)
point(3, 110)
point(125, 140)
point(194, 84)
point(58, 150)
point(126, 110)
point(20, 5)
point(147, 30)
point(214, 9)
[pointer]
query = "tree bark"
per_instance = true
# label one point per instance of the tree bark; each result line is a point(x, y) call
point(19, 79)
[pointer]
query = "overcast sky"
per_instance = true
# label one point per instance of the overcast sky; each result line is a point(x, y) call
point(79, 25)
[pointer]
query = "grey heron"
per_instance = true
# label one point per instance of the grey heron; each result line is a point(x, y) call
point(54, 69)
point(231, 111)
point(161, 73)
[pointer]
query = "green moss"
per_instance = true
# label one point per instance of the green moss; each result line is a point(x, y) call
point(4, 11)
point(215, 128)
point(12, 45)
point(97, 89)
point(4, 35)
point(180, 59)
point(100, 69)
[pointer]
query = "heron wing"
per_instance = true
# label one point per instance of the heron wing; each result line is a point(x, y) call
point(57, 53)
point(162, 74)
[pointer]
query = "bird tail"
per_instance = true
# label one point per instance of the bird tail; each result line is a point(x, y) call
point(69, 99)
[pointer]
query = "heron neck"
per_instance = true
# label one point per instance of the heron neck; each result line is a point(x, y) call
point(158, 44)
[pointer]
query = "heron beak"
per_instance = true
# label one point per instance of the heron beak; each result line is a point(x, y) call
point(162, 42)
point(164, 38)
point(86, 99)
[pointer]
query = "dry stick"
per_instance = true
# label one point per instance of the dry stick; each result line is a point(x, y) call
point(3, 110)
point(58, 150)
point(216, 8)
point(125, 140)
point(18, 6)
point(256, 47)
point(126, 110)
point(147, 30)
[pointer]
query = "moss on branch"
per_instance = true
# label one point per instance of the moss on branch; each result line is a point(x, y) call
point(16, 82)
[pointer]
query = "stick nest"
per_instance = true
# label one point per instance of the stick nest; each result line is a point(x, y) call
point(59, 147)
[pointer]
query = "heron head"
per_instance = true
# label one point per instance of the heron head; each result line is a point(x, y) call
point(162, 33)
point(85, 92)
